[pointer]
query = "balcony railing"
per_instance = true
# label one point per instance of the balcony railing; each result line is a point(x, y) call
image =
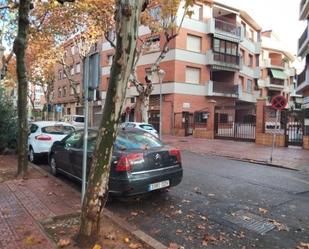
point(228, 27)
point(301, 77)
point(225, 88)
point(303, 38)
point(226, 58)
point(277, 82)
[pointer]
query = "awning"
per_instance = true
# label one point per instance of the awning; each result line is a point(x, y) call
point(278, 74)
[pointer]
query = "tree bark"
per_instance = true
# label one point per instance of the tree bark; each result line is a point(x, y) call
point(144, 99)
point(20, 45)
point(127, 18)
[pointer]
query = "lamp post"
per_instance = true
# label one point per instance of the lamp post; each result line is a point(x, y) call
point(161, 74)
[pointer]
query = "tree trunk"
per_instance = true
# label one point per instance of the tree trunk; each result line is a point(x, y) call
point(144, 107)
point(127, 18)
point(20, 44)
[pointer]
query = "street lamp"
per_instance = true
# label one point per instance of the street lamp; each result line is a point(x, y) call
point(161, 74)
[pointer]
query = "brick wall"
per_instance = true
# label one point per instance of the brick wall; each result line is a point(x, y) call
point(267, 139)
point(203, 133)
point(306, 142)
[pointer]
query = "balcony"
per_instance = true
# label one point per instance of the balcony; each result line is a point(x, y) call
point(303, 81)
point(272, 83)
point(225, 30)
point(303, 42)
point(252, 46)
point(221, 89)
point(268, 63)
point(223, 61)
point(304, 10)
point(248, 97)
point(251, 72)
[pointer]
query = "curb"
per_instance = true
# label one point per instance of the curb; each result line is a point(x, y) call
point(139, 234)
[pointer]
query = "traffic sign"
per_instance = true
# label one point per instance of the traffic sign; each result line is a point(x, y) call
point(278, 102)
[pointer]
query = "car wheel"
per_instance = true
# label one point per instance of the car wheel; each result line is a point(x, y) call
point(33, 157)
point(53, 166)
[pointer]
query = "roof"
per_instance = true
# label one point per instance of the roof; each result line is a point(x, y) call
point(46, 123)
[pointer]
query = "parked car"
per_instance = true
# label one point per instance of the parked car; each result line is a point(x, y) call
point(142, 126)
point(140, 163)
point(43, 134)
point(75, 120)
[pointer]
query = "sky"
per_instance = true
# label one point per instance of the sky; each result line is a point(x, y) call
point(282, 16)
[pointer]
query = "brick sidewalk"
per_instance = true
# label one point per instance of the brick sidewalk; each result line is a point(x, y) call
point(293, 158)
point(24, 202)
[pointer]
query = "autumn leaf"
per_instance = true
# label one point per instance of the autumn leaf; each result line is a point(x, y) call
point(97, 246)
point(263, 210)
point(63, 243)
point(135, 245)
point(126, 240)
point(209, 239)
point(303, 245)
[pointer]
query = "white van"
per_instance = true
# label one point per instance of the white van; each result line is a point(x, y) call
point(76, 120)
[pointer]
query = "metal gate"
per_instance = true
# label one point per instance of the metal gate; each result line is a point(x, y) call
point(185, 121)
point(294, 126)
point(235, 122)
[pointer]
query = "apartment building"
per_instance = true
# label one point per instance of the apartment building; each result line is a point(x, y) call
point(277, 73)
point(303, 52)
point(212, 71)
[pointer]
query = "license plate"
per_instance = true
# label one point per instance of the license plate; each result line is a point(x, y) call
point(159, 185)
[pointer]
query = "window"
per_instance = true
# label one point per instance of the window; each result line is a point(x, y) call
point(243, 55)
point(249, 86)
point(250, 63)
point(155, 12)
point(251, 35)
point(78, 68)
point(257, 60)
point(74, 140)
point(201, 117)
point(152, 44)
point(64, 91)
point(197, 12)
point(154, 78)
point(71, 90)
point(58, 129)
point(193, 75)
point(225, 47)
point(110, 59)
point(194, 43)
point(59, 92)
point(241, 82)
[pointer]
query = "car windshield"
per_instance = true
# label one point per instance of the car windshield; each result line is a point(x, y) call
point(58, 129)
point(136, 140)
point(146, 127)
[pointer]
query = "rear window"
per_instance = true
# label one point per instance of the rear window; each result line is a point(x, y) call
point(58, 129)
point(136, 140)
point(78, 119)
point(147, 127)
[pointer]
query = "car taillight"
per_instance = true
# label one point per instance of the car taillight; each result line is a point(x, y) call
point(43, 137)
point(176, 153)
point(126, 162)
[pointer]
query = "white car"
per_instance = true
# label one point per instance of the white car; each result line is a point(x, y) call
point(76, 120)
point(142, 126)
point(43, 134)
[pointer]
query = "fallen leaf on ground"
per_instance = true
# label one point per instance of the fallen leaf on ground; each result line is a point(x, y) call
point(263, 210)
point(134, 213)
point(31, 240)
point(209, 239)
point(63, 243)
point(173, 246)
point(197, 190)
point(97, 246)
point(279, 226)
point(200, 226)
point(211, 195)
point(135, 245)
point(178, 212)
point(303, 245)
point(126, 240)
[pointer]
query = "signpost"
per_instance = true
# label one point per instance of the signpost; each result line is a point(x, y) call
point(278, 102)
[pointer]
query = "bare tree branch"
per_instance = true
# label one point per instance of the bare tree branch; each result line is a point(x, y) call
point(111, 42)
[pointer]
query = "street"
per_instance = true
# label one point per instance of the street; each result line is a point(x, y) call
point(224, 203)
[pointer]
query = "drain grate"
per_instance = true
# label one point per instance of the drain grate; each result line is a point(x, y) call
point(250, 221)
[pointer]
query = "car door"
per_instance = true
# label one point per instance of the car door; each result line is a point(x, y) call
point(77, 159)
point(32, 133)
point(67, 150)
